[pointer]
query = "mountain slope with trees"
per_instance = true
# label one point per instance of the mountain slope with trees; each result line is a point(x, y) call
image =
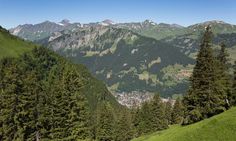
point(45, 97)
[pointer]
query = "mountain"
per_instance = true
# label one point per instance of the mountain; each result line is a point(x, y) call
point(122, 55)
point(151, 29)
point(217, 128)
point(125, 60)
point(188, 43)
point(94, 90)
point(42, 30)
point(218, 27)
point(107, 22)
point(11, 46)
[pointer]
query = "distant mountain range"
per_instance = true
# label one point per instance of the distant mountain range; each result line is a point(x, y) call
point(136, 56)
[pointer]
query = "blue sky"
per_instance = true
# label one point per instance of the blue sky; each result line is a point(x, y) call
point(183, 12)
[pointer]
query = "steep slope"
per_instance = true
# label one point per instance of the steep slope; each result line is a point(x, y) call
point(125, 60)
point(218, 128)
point(11, 45)
point(94, 89)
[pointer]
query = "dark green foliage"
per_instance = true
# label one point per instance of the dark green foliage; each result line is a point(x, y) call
point(234, 86)
point(10, 84)
point(105, 126)
point(157, 109)
point(223, 77)
point(205, 97)
point(143, 120)
point(177, 112)
point(123, 129)
point(151, 117)
point(44, 97)
point(168, 111)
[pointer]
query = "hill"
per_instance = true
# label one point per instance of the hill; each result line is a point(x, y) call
point(94, 90)
point(11, 45)
point(218, 128)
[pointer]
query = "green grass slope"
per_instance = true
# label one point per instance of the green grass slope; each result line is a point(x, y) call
point(11, 45)
point(218, 128)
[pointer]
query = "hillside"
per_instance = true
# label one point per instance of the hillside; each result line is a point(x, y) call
point(12, 46)
point(218, 128)
point(125, 60)
point(94, 89)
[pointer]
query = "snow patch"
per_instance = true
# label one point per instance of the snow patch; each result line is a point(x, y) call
point(16, 31)
point(133, 51)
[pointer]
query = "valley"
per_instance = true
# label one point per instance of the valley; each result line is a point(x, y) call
point(143, 57)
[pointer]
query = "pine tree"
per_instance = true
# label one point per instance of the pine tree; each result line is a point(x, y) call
point(177, 113)
point(144, 123)
point(234, 87)
point(157, 109)
point(10, 88)
point(205, 97)
point(69, 102)
point(136, 119)
point(105, 123)
point(222, 70)
point(168, 111)
point(79, 118)
point(123, 129)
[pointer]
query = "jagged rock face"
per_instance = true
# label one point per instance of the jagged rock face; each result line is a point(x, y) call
point(42, 30)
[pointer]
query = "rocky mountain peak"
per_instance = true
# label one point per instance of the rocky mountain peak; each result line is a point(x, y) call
point(148, 22)
point(64, 22)
point(107, 22)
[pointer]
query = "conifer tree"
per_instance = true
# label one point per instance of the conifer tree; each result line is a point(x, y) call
point(136, 119)
point(234, 86)
point(10, 88)
point(177, 113)
point(205, 97)
point(105, 123)
point(123, 129)
point(157, 109)
point(222, 70)
point(168, 111)
point(145, 120)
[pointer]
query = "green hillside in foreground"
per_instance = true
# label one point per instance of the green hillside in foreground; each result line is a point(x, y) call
point(11, 45)
point(218, 128)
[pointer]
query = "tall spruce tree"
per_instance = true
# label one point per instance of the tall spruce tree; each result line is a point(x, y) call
point(10, 88)
point(143, 123)
point(222, 70)
point(205, 97)
point(123, 128)
point(105, 123)
point(157, 110)
point(177, 112)
point(234, 86)
point(168, 111)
